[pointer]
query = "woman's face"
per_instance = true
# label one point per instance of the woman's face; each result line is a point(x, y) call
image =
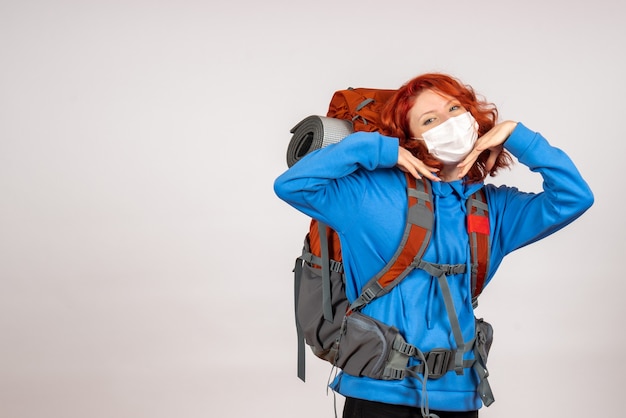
point(431, 109)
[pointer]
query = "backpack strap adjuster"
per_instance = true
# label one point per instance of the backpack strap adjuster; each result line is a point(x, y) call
point(404, 348)
point(438, 362)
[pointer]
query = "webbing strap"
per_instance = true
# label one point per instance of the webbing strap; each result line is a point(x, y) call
point(364, 103)
point(437, 362)
point(419, 194)
point(432, 368)
point(359, 107)
point(484, 388)
point(441, 271)
point(415, 239)
point(326, 296)
point(336, 266)
point(297, 274)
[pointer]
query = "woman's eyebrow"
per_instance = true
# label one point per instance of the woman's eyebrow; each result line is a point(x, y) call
point(445, 105)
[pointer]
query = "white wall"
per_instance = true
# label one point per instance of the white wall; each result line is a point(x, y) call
point(145, 263)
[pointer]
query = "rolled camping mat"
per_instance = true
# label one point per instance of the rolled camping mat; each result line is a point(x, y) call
point(315, 132)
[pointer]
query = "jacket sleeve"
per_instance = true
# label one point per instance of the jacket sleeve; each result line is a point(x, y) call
point(324, 184)
point(523, 218)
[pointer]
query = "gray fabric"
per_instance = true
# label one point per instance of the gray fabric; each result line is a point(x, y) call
point(319, 333)
point(311, 327)
point(315, 132)
point(364, 103)
point(365, 346)
point(484, 338)
point(300, 334)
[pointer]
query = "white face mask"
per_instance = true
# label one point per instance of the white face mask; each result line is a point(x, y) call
point(451, 141)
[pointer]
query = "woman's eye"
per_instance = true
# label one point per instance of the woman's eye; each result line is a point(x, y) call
point(455, 107)
point(429, 121)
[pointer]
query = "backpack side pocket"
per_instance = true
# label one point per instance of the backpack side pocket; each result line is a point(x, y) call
point(320, 334)
point(365, 346)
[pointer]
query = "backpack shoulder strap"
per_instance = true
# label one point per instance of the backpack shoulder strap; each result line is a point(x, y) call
point(415, 239)
point(480, 244)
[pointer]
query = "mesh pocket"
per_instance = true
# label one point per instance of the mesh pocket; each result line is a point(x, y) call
point(320, 334)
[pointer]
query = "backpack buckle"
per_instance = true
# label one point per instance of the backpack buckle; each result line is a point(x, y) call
point(438, 361)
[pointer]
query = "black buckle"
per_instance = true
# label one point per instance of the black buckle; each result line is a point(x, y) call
point(438, 361)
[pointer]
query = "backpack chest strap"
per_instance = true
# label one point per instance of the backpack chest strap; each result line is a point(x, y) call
point(441, 272)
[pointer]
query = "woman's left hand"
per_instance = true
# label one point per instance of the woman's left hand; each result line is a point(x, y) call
point(491, 141)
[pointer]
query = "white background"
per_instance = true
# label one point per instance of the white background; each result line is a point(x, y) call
point(145, 262)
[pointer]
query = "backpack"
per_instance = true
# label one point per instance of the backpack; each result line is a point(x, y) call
point(361, 106)
point(349, 111)
point(336, 330)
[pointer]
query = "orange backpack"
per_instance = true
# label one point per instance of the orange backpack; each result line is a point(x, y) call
point(362, 107)
point(320, 302)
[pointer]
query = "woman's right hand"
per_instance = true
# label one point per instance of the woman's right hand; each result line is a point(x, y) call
point(408, 163)
point(493, 141)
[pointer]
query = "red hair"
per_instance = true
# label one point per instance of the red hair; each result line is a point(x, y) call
point(395, 122)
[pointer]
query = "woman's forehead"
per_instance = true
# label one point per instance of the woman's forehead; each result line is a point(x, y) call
point(430, 100)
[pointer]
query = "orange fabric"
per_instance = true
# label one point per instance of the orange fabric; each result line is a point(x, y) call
point(344, 103)
point(479, 226)
point(334, 246)
point(477, 223)
point(417, 235)
point(482, 242)
point(413, 244)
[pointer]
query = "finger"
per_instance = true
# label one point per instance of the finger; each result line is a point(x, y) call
point(464, 171)
point(467, 164)
point(493, 157)
point(429, 173)
point(408, 163)
point(416, 174)
point(469, 160)
point(432, 177)
point(411, 170)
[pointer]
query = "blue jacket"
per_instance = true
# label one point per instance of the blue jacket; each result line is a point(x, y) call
point(354, 187)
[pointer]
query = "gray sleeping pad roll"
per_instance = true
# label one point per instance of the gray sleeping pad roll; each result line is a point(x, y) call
point(315, 132)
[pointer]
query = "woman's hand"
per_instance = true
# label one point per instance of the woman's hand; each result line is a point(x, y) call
point(408, 163)
point(491, 141)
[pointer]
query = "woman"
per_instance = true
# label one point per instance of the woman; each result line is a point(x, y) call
point(437, 128)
